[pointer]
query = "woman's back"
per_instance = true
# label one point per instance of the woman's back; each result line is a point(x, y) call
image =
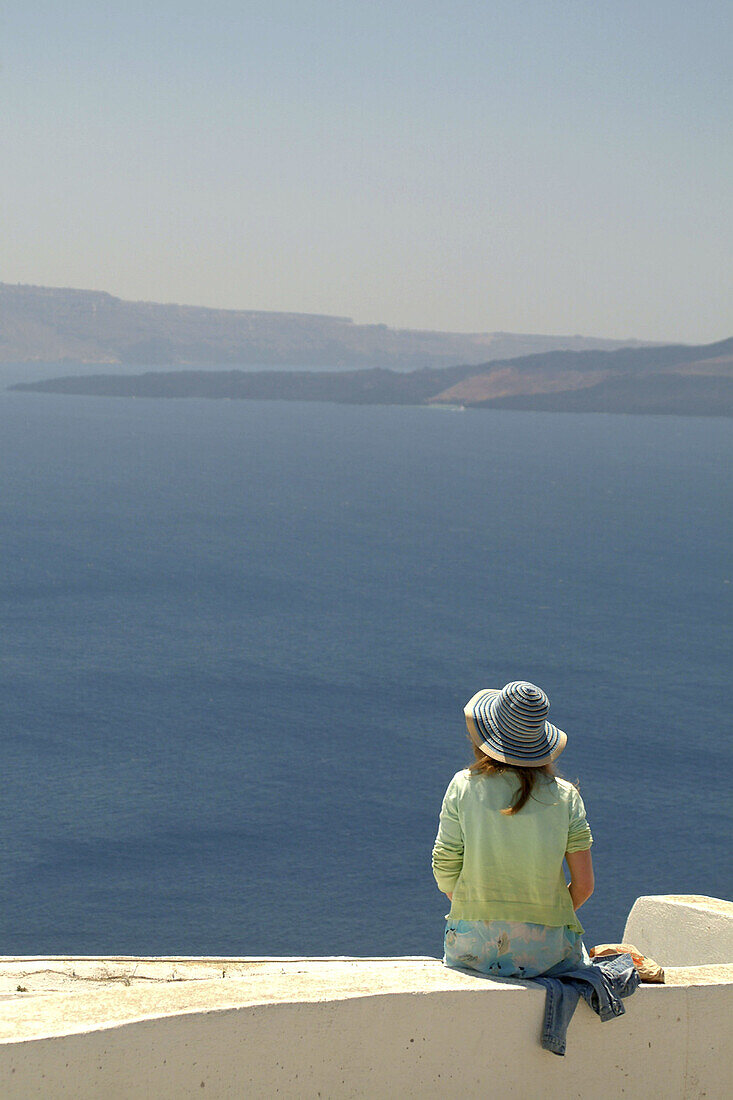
point(508, 867)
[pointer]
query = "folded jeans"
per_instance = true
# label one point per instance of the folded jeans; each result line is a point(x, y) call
point(602, 984)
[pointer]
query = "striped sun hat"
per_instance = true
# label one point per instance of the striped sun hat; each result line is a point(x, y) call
point(511, 725)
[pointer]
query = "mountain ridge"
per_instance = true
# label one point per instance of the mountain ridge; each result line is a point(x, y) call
point(61, 324)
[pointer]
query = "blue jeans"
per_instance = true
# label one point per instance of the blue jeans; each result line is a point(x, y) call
point(602, 984)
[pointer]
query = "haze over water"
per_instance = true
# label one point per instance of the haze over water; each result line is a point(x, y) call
point(239, 637)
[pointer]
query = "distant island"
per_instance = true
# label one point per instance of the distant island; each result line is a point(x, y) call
point(56, 325)
point(670, 379)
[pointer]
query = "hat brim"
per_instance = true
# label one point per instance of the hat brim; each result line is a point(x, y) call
point(489, 739)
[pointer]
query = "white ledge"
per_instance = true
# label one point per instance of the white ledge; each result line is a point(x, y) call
point(344, 1027)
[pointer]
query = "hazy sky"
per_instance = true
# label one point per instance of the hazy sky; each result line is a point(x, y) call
point(528, 166)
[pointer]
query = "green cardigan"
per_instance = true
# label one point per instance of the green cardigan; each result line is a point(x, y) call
point(509, 868)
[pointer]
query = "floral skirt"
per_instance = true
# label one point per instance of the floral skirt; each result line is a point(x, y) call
point(512, 949)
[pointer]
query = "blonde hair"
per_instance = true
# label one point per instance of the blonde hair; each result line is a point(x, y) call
point(528, 777)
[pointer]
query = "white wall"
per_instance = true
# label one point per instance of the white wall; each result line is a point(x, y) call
point(673, 1043)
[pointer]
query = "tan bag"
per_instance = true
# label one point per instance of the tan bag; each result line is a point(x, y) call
point(648, 970)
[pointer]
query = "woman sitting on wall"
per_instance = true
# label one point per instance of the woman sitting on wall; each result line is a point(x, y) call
point(506, 825)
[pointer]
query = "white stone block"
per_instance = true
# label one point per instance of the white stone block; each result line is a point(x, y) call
point(682, 929)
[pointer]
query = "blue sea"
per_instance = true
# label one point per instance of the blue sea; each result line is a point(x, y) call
point(238, 637)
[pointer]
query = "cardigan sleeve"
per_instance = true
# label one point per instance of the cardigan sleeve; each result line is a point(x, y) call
point(448, 847)
point(580, 837)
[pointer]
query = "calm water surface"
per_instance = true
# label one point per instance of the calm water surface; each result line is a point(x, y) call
point(238, 638)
